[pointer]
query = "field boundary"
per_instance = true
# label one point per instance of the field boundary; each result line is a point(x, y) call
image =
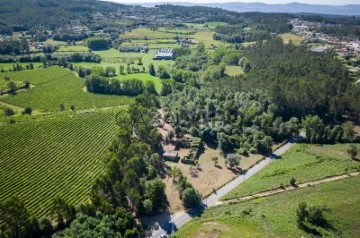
point(290, 188)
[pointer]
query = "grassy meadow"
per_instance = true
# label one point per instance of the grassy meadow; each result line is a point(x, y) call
point(275, 216)
point(57, 156)
point(296, 40)
point(304, 163)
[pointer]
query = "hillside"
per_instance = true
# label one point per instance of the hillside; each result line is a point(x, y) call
point(295, 7)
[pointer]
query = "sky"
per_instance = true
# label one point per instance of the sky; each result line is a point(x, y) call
point(322, 2)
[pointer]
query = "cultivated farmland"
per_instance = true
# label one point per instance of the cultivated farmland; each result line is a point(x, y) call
point(54, 86)
point(60, 156)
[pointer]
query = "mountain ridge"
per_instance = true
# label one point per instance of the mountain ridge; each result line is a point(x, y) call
point(294, 7)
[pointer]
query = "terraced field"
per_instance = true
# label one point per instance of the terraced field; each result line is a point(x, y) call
point(54, 86)
point(61, 156)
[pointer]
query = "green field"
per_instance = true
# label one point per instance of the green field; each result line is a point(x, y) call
point(207, 38)
point(115, 58)
point(73, 48)
point(304, 163)
point(142, 33)
point(7, 66)
point(232, 70)
point(60, 156)
point(54, 86)
point(275, 216)
point(216, 23)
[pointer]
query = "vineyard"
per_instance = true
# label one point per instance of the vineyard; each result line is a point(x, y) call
point(61, 156)
point(54, 86)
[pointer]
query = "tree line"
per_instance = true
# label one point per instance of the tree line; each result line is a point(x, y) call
point(129, 87)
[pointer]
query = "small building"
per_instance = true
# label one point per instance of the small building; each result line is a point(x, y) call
point(164, 54)
point(171, 155)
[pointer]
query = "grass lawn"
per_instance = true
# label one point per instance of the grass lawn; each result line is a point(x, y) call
point(58, 156)
point(304, 163)
point(54, 86)
point(275, 216)
point(232, 70)
point(296, 40)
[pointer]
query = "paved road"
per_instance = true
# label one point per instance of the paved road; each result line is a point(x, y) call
point(181, 218)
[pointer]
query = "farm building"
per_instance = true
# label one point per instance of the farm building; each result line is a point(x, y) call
point(171, 155)
point(164, 54)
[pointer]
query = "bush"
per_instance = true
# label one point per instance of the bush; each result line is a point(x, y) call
point(8, 112)
point(293, 182)
point(27, 110)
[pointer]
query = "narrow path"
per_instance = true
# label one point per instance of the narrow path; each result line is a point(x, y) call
point(289, 188)
point(168, 225)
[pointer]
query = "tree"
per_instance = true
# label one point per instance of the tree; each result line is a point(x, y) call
point(148, 206)
point(156, 193)
point(171, 135)
point(16, 218)
point(233, 160)
point(315, 129)
point(349, 133)
point(352, 151)
point(190, 197)
point(12, 86)
point(215, 160)
point(122, 69)
point(152, 71)
point(64, 213)
point(46, 226)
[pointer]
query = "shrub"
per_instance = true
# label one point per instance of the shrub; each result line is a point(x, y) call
point(27, 110)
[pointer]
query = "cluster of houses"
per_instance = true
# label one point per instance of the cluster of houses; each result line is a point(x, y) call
point(307, 29)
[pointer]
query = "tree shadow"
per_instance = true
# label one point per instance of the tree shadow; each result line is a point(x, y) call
point(218, 166)
point(355, 159)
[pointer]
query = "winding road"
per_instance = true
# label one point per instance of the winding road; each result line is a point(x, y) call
point(177, 221)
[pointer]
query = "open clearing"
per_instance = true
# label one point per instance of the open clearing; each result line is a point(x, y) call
point(275, 216)
point(296, 40)
point(60, 156)
point(208, 176)
point(233, 70)
point(304, 163)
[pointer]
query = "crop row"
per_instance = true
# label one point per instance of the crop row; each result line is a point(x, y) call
point(43, 159)
point(60, 86)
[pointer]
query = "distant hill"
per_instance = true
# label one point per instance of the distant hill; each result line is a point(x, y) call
point(263, 7)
